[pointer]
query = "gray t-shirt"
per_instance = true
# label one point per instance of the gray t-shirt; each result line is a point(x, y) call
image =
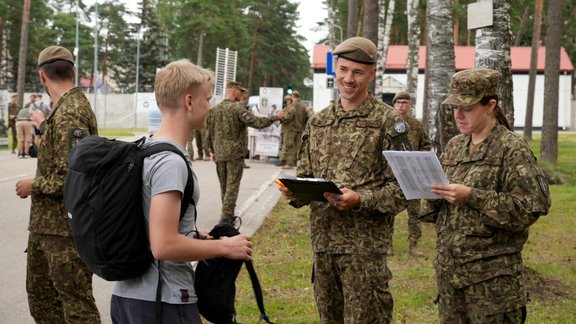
point(164, 172)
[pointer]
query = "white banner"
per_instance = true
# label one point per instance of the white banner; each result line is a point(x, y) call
point(268, 139)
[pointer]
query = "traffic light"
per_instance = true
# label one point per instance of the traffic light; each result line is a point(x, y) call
point(289, 90)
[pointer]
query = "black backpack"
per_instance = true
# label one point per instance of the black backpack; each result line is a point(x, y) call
point(215, 286)
point(103, 197)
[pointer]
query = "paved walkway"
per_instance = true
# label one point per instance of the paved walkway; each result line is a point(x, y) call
point(258, 195)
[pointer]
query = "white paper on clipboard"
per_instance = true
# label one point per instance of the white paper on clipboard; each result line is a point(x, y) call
point(416, 171)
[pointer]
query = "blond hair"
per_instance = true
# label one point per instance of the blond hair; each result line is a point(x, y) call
point(177, 79)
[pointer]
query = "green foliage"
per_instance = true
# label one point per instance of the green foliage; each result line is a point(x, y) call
point(283, 261)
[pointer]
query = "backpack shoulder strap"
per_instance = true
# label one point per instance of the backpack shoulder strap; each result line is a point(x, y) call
point(189, 189)
point(257, 291)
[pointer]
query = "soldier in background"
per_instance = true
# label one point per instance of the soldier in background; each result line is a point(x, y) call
point(350, 232)
point(496, 192)
point(292, 128)
point(227, 140)
point(13, 110)
point(244, 102)
point(58, 284)
point(419, 141)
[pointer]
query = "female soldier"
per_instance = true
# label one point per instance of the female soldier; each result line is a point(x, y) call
point(496, 192)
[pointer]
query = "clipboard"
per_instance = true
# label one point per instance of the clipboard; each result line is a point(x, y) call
point(311, 190)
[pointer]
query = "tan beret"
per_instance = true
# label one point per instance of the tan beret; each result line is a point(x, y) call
point(357, 49)
point(54, 53)
point(470, 86)
point(233, 84)
point(401, 95)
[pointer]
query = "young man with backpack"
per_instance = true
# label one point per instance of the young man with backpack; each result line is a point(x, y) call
point(183, 92)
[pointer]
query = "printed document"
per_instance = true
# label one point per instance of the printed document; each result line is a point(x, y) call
point(416, 172)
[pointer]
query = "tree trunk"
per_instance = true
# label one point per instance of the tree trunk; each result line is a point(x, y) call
point(22, 52)
point(440, 68)
point(384, 27)
point(2, 26)
point(371, 16)
point(200, 57)
point(523, 24)
point(352, 29)
point(331, 35)
point(493, 52)
point(252, 59)
point(549, 144)
point(413, 50)
point(533, 69)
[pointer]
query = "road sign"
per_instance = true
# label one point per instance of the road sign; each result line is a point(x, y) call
point(330, 63)
point(330, 83)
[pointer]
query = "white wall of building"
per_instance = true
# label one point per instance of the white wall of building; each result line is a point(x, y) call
point(520, 92)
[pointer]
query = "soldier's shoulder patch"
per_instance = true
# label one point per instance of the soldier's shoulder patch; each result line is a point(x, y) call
point(400, 127)
point(78, 133)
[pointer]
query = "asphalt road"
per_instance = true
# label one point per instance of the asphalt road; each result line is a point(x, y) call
point(258, 194)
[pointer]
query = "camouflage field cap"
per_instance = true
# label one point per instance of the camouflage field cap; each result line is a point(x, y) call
point(470, 86)
point(357, 49)
point(233, 84)
point(401, 95)
point(54, 53)
point(296, 94)
point(243, 90)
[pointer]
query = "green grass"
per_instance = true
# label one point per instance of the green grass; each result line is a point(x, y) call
point(283, 261)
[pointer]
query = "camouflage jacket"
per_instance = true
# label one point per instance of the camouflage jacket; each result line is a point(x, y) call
point(71, 120)
point(419, 139)
point(346, 148)
point(483, 237)
point(13, 109)
point(296, 117)
point(227, 129)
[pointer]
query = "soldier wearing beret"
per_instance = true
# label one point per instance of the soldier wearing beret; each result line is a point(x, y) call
point(350, 232)
point(496, 192)
point(228, 141)
point(419, 141)
point(58, 283)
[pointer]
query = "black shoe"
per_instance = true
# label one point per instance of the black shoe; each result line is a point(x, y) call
point(246, 166)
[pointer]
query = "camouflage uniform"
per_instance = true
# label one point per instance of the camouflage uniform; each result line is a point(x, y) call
point(292, 128)
point(13, 109)
point(479, 264)
point(58, 283)
point(226, 137)
point(350, 246)
point(419, 141)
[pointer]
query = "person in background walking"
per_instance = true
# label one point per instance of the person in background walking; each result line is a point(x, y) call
point(13, 110)
point(419, 141)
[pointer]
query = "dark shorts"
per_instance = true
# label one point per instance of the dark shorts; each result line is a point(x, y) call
point(135, 311)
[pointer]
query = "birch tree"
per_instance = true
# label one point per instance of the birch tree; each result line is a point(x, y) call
point(384, 26)
point(549, 144)
point(413, 50)
point(533, 66)
point(493, 52)
point(440, 60)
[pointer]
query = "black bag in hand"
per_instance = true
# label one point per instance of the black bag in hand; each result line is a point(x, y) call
point(215, 283)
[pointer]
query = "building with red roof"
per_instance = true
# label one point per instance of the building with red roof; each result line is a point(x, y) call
point(464, 56)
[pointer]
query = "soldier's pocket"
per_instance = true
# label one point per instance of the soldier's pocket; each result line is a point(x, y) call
point(496, 296)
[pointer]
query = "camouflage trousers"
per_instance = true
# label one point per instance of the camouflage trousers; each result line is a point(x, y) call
point(352, 288)
point(414, 230)
point(498, 300)
point(58, 284)
point(229, 175)
point(290, 145)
